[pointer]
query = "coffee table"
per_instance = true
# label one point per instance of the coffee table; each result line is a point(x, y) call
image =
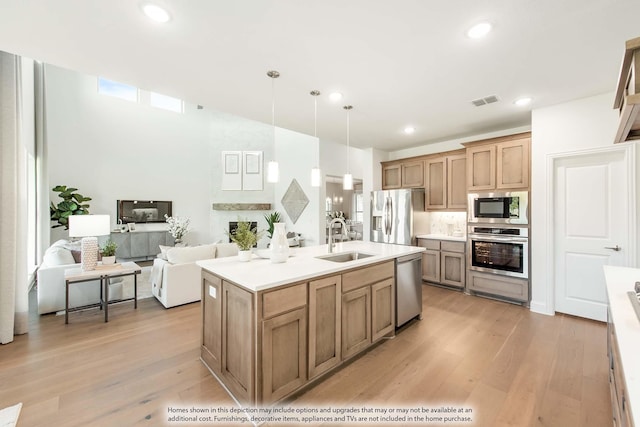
point(102, 273)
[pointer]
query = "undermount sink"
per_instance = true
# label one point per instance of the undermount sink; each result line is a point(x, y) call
point(345, 256)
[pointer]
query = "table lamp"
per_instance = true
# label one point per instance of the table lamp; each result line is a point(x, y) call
point(89, 227)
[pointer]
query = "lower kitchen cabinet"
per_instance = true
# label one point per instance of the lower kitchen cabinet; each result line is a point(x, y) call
point(325, 316)
point(501, 286)
point(443, 262)
point(284, 354)
point(356, 321)
point(617, 385)
point(238, 346)
point(212, 315)
point(265, 345)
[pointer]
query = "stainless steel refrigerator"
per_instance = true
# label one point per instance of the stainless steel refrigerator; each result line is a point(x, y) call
point(397, 216)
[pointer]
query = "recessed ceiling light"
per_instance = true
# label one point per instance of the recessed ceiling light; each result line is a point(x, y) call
point(521, 102)
point(156, 13)
point(409, 130)
point(335, 96)
point(479, 30)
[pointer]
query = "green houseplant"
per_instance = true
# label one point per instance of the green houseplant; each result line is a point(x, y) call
point(72, 204)
point(245, 237)
point(271, 219)
point(108, 252)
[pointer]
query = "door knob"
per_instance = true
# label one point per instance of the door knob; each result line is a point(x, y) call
point(616, 248)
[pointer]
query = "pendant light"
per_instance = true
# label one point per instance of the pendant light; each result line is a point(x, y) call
point(316, 173)
point(273, 172)
point(347, 180)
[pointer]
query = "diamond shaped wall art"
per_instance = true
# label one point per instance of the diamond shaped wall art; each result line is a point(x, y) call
point(294, 201)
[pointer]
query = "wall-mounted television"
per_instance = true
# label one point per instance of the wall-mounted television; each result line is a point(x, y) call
point(143, 211)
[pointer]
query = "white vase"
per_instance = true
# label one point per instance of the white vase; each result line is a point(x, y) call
point(244, 256)
point(279, 245)
point(106, 260)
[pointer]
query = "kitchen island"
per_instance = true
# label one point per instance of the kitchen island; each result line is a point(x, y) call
point(271, 329)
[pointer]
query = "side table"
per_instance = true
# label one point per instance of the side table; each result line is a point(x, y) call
point(102, 273)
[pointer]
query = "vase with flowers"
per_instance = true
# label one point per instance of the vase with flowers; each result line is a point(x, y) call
point(178, 228)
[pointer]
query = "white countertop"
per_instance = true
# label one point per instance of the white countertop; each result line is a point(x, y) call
point(620, 280)
point(462, 238)
point(260, 274)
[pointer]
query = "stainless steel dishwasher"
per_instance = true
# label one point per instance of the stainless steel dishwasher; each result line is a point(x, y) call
point(408, 288)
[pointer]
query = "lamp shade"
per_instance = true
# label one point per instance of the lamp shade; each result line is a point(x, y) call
point(89, 225)
point(316, 177)
point(347, 182)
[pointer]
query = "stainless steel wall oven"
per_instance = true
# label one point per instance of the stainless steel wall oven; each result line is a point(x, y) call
point(499, 250)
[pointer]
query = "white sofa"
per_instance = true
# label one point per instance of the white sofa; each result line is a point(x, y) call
point(51, 287)
point(175, 276)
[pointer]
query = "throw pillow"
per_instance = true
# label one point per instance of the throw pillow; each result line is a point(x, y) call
point(226, 249)
point(163, 252)
point(186, 254)
point(77, 256)
point(57, 255)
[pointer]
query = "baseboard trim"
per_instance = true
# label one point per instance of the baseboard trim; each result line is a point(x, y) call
point(540, 308)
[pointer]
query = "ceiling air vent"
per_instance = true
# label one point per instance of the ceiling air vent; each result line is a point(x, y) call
point(486, 100)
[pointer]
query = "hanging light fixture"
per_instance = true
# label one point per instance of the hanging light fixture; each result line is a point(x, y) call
point(316, 173)
point(347, 180)
point(273, 172)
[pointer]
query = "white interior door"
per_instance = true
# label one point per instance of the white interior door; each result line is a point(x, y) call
point(592, 228)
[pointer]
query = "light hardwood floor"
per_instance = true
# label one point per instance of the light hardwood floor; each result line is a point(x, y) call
point(514, 367)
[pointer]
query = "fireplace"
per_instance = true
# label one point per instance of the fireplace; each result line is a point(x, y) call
point(233, 225)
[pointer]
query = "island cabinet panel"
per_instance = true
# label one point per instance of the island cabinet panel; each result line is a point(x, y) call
point(238, 322)
point(366, 276)
point(382, 309)
point(325, 319)
point(356, 321)
point(212, 321)
point(284, 354)
point(282, 300)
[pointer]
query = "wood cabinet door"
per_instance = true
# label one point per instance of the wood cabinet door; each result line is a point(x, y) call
point(436, 189)
point(457, 182)
point(284, 354)
point(382, 309)
point(513, 164)
point(238, 322)
point(325, 317)
point(481, 168)
point(452, 270)
point(431, 265)
point(391, 177)
point(412, 174)
point(356, 321)
point(212, 321)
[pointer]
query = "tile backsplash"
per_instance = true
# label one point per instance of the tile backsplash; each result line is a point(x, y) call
point(448, 222)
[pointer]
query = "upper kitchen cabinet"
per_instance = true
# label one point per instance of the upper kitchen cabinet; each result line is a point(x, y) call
point(498, 163)
point(402, 174)
point(446, 182)
point(627, 100)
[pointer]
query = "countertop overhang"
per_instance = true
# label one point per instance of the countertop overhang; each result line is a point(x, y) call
point(260, 274)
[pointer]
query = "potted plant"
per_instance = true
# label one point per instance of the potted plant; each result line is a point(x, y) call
point(245, 238)
point(178, 227)
point(72, 204)
point(271, 219)
point(108, 252)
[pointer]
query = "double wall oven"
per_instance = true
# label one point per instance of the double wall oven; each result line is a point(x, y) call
point(498, 233)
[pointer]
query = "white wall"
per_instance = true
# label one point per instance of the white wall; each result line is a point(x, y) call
point(114, 149)
point(297, 154)
point(573, 126)
point(230, 132)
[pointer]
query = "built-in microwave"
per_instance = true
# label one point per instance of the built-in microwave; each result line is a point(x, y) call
point(499, 208)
